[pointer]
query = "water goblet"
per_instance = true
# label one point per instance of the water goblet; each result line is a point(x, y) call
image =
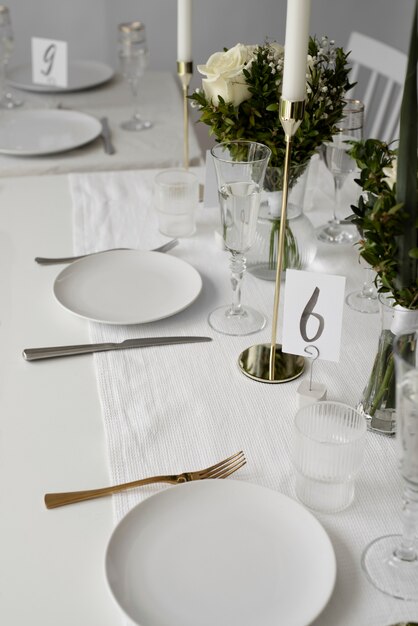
point(340, 164)
point(133, 58)
point(391, 562)
point(240, 169)
point(7, 101)
point(365, 300)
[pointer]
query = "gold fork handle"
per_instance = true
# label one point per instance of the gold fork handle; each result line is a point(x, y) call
point(53, 500)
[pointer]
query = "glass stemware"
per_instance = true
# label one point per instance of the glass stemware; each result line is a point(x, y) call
point(340, 164)
point(133, 58)
point(391, 562)
point(365, 300)
point(240, 169)
point(7, 101)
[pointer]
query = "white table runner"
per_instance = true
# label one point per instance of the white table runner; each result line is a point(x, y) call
point(176, 408)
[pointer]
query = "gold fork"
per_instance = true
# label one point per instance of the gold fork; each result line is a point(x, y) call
point(221, 470)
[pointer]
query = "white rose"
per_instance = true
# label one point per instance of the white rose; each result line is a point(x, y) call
point(390, 173)
point(224, 74)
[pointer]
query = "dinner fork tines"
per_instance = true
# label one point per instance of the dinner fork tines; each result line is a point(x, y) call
point(69, 259)
point(223, 469)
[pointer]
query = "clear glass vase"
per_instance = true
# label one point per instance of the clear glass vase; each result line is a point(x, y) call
point(300, 241)
point(378, 402)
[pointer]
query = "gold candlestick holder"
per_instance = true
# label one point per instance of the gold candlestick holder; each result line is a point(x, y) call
point(185, 72)
point(266, 362)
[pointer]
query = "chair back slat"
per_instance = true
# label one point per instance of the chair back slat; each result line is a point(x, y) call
point(380, 72)
point(371, 86)
point(377, 128)
point(392, 126)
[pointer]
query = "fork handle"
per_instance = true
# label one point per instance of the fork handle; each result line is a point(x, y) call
point(54, 500)
point(65, 259)
point(69, 259)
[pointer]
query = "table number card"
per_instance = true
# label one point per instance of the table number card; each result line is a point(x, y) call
point(313, 311)
point(49, 62)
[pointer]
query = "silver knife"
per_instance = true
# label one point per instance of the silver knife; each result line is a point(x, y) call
point(34, 354)
point(108, 146)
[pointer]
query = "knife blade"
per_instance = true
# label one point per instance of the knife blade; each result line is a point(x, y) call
point(35, 354)
point(108, 146)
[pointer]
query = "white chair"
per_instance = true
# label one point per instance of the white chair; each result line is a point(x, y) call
point(380, 72)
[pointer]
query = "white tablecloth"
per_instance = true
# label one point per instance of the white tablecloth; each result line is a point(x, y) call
point(159, 146)
point(184, 407)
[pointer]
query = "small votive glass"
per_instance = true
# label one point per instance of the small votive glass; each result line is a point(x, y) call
point(328, 448)
point(176, 194)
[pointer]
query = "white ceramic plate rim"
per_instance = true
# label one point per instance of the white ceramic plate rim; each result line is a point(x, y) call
point(187, 507)
point(88, 128)
point(100, 74)
point(104, 274)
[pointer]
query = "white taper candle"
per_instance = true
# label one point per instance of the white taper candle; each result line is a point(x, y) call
point(296, 49)
point(184, 30)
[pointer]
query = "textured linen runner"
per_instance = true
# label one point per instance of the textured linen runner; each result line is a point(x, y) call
point(184, 407)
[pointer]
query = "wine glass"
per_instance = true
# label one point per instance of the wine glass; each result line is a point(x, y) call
point(391, 562)
point(340, 164)
point(240, 169)
point(133, 58)
point(365, 300)
point(7, 101)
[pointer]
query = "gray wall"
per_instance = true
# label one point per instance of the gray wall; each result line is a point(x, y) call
point(90, 26)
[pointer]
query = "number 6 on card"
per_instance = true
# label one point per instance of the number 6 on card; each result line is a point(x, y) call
point(313, 312)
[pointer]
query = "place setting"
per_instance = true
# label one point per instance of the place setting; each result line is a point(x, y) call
point(122, 287)
point(131, 285)
point(31, 132)
point(60, 110)
point(257, 542)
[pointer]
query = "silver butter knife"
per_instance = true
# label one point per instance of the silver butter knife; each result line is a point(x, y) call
point(34, 354)
point(108, 146)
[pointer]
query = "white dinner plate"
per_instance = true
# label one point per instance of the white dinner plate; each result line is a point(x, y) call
point(127, 286)
point(222, 553)
point(43, 132)
point(81, 75)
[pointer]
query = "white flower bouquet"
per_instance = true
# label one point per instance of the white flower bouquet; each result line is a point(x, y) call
point(241, 91)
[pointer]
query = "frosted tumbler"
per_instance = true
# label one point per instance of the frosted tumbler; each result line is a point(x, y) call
point(328, 447)
point(176, 194)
